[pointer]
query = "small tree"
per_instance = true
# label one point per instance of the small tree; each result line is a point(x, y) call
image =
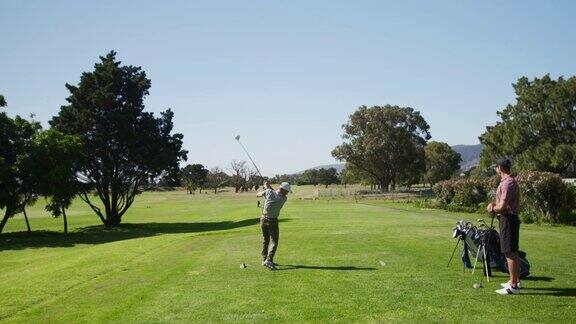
point(194, 177)
point(217, 179)
point(327, 177)
point(253, 181)
point(442, 162)
point(55, 162)
point(16, 183)
point(239, 174)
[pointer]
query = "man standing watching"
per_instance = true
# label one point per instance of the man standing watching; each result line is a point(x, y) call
point(273, 202)
point(507, 207)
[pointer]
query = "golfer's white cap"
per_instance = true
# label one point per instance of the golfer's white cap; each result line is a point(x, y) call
point(286, 186)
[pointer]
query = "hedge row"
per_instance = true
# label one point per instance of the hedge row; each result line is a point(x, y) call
point(545, 198)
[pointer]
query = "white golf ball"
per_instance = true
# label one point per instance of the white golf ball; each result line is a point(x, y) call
point(382, 263)
point(476, 286)
point(243, 266)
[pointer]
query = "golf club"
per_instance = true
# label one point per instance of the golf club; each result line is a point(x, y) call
point(254, 164)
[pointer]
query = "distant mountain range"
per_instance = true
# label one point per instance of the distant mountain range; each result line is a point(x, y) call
point(470, 155)
point(338, 166)
point(470, 158)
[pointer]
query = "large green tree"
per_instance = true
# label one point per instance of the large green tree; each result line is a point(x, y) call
point(17, 185)
point(124, 145)
point(384, 142)
point(442, 162)
point(538, 131)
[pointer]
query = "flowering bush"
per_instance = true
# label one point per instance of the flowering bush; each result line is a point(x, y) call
point(545, 197)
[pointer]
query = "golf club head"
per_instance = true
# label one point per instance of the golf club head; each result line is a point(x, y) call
point(237, 137)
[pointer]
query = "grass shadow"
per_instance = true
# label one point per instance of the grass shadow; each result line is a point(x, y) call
point(557, 292)
point(282, 267)
point(535, 278)
point(100, 234)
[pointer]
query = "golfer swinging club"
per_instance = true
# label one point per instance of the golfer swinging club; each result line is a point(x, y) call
point(273, 202)
point(507, 207)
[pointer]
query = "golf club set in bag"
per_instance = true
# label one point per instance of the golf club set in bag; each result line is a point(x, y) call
point(484, 243)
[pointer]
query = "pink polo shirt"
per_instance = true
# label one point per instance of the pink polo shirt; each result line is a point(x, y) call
point(509, 193)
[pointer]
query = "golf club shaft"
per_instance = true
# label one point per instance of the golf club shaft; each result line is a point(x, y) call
point(254, 164)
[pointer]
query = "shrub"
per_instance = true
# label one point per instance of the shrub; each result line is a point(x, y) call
point(546, 198)
point(464, 194)
point(470, 193)
point(444, 191)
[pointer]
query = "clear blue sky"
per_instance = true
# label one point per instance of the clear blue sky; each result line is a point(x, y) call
point(286, 74)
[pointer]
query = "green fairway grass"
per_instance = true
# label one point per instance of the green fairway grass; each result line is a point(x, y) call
point(176, 258)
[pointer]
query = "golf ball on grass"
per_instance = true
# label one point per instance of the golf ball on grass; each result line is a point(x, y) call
point(477, 285)
point(382, 263)
point(243, 266)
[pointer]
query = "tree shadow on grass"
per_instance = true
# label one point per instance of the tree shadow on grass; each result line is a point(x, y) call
point(282, 267)
point(536, 278)
point(100, 234)
point(557, 292)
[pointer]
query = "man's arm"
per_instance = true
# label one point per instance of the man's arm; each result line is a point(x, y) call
point(266, 187)
point(502, 206)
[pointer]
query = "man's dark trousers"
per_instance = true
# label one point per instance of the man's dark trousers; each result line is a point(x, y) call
point(271, 234)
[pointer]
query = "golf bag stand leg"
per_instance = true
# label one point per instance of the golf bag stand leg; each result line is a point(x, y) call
point(453, 251)
point(487, 271)
point(476, 261)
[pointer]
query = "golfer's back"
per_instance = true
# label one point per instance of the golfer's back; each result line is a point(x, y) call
point(273, 203)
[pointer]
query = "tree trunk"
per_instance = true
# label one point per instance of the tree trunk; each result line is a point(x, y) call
point(112, 220)
point(65, 220)
point(384, 185)
point(4, 220)
point(26, 218)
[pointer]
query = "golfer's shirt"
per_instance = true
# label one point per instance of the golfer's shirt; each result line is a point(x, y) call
point(509, 193)
point(273, 202)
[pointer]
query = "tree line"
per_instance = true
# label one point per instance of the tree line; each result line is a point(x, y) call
point(389, 145)
point(197, 177)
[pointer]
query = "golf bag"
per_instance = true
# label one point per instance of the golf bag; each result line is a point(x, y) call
point(474, 237)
